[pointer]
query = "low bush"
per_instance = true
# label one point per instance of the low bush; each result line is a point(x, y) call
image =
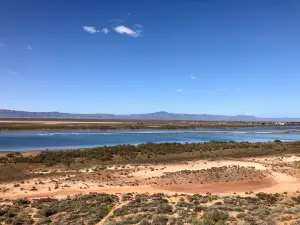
point(149, 151)
point(159, 220)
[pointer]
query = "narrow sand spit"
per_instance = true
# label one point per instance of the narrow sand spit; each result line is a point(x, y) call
point(51, 122)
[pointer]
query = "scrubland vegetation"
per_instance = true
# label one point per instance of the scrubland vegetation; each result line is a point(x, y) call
point(154, 152)
point(54, 124)
point(156, 209)
point(132, 166)
point(15, 165)
point(215, 174)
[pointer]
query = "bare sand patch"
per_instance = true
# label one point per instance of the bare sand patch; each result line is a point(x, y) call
point(199, 176)
point(160, 169)
point(214, 179)
point(240, 187)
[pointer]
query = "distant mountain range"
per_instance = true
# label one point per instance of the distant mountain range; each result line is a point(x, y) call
point(4, 113)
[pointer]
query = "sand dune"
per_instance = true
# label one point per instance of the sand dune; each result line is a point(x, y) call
point(201, 176)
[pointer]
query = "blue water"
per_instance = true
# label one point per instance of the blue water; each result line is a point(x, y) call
point(38, 140)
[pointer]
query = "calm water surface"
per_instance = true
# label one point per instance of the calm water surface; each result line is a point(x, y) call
point(36, 140)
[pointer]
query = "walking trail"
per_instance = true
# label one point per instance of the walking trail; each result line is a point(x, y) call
point(111, 212)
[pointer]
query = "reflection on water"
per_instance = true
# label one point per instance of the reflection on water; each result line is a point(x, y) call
point(31, 140)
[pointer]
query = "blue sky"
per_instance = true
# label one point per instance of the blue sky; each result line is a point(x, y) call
point(184, 56)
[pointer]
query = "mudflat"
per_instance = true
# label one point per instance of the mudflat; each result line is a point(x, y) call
point(48, 124)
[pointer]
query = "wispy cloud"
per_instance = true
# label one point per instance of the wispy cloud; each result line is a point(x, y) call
point(221, 89)
point(13, 72)
point(237, 89)
point(126, 30)
point(137, 25)
point(116, 20)
point(28, 47)
point(179, 90)
point(2, 44)
point(91, 30)
point(105, 30)
point(193, 78)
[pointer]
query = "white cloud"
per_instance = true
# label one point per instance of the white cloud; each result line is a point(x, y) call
point(13, 72)
point(138, 25)
point(193, 78)
point(28, 47)
point(105, 30)
point(179, 90)
point(237, 89)
point(126, 30)
point(91, 30)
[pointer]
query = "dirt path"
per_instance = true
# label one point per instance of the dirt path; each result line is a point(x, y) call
point(111, 212)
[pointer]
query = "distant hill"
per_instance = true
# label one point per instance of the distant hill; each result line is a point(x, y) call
point(4, 113)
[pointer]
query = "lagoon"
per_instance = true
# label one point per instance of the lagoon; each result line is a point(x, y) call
point(67, 139)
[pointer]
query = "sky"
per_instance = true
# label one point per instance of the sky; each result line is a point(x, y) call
point(228, 57)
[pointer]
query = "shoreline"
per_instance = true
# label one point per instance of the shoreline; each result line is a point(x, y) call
point(263, 136)
point(47, 125)
point(168, 131)
point(24, 151)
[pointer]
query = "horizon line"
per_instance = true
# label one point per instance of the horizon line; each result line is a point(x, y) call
point(161, 111)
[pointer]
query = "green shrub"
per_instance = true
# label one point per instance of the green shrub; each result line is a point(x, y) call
point(213, 217)
point(164, 209)
point(151, 150)
point(159, 220)
point(22, 201)
point(287, 217)
point(241, 215)
point(145, 222)
point(43, 221)
point(296, 222)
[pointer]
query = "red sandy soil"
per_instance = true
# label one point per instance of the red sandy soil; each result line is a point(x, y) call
point(156, 179)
